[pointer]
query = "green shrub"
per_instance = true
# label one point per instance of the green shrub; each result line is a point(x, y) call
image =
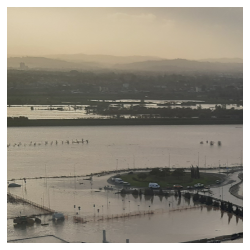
point(123, 191)
point(216, 204)
point(187, 195)
point(155, 171)
point(178, 172)
point(196, 197)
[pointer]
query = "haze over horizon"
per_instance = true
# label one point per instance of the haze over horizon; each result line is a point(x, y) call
point(167, 33)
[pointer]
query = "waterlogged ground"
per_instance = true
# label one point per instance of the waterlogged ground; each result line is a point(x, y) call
point(175, 219)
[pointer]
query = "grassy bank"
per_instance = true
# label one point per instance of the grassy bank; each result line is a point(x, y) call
point(168, 181)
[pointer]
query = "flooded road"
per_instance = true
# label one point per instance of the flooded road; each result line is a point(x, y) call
point(223, 191)
point(240, 191)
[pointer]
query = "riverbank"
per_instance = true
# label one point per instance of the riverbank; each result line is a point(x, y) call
point(25, 122)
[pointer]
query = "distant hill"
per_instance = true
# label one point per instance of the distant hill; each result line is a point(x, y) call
point(181, 65)
point(223, 60)
point(48, 63)
point(139, 63)
point(105, 60)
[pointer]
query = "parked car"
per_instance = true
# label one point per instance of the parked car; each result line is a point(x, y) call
point(126, 183)
point(153, 185)
point(199, 185)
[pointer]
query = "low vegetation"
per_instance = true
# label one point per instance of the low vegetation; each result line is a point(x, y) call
point(166, 178)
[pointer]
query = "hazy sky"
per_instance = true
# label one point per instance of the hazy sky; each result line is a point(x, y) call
point(192, 33)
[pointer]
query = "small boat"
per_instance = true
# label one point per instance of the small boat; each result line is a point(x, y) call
point(219, 143)
point(14, 185)
point(201, 142)
point(211, 143)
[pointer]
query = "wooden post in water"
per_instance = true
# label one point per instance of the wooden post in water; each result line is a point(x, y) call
point(104, 236)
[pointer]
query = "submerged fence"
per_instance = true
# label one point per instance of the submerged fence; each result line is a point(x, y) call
point(96, 218)
point(20, 199)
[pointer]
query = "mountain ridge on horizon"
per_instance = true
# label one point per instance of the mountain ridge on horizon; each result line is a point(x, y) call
point(132, 63)
point(140, 57)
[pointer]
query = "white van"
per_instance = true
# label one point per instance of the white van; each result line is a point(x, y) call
point(153, 185)
point(118, 180)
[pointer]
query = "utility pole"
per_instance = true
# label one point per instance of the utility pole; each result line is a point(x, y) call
point(198, 159)
point(75, 177)
point(241, 158)
point(49, 197)
point(205, 163)
point(169, 161)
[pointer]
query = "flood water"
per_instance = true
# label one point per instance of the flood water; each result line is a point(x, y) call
point(174, 220)
point(120, 147)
